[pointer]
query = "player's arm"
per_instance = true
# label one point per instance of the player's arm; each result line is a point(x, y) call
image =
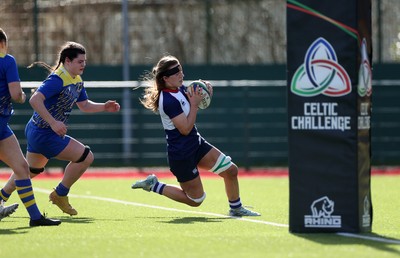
point(17, 95)
point(37, 103)
point(89, 106)
point(185, 123)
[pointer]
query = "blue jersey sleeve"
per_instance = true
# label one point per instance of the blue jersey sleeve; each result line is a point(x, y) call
point(83, 96)
point(12, 70)
point(52, 86)
point(8, 74)
point(171, 106)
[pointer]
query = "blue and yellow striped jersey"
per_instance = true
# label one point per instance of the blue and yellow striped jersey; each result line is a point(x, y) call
point(8, 73)
point(61, 92)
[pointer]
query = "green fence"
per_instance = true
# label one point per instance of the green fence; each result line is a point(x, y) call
point(249, 123)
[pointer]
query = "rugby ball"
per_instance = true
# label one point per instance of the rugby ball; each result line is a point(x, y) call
point(206, 100)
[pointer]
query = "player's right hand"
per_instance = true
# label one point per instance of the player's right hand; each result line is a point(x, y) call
point(59, 128)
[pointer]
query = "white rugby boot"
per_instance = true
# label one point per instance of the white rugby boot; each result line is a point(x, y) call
point(146, 184)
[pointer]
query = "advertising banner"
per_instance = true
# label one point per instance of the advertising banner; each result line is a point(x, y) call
point(329, 109)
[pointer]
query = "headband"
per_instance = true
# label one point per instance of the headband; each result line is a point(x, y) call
point(172, 71)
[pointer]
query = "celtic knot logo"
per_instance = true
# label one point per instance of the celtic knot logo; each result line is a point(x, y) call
point(364, 73)
point(321, 73)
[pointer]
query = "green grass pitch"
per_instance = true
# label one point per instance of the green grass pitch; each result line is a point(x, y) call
point(115, 221)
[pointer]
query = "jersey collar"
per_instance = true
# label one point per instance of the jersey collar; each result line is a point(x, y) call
point(66, 77)
point(171, 90)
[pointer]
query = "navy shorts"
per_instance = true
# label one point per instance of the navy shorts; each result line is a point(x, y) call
point(186, 170)
point(5, 130)
point(45, 141)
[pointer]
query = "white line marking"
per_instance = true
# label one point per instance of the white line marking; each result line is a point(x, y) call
point(352, 235)
point(377, 239)
point(163, 208)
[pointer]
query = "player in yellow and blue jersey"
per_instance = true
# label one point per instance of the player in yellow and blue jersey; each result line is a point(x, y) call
point(10, 151)
point(46, 131)
point(187, 149)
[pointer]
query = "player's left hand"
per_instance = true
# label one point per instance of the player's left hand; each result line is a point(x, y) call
point(194, 97)
point(209, 86)
point(111, 106)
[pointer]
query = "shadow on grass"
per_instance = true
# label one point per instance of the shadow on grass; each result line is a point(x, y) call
point(17, 230)
point(372, 240)
point(77, 220)
point(23, 230)
point(191, 220)
point(14, 231)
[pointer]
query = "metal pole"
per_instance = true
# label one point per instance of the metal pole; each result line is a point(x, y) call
point(126, 98)
point(36, 29)
point(208, 31)
point(379, 43)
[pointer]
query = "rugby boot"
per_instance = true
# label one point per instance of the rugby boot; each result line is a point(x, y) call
point(146, 184)
point(62, 203)
point(6, 211)
point(242, 211)
point(43, 221)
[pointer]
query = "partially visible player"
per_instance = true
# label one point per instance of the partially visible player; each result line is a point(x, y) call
point(46, 131)
point(6, 211)
point(187, 149)
point(10, 151)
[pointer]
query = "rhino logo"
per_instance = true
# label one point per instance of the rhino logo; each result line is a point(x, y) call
point(323, 207)
point(322, 217)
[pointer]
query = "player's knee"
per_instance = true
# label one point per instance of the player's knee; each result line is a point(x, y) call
point(21, 168)
point(90, 158)
point(196, 202)
point(36, 171)
point(230, 173)
point(223, 165)
point(233, 170)
point(23, 165)
point(87, 156)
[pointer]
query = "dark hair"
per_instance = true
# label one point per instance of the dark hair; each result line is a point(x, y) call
point(69, 50)
point(156, 79)
point(3, 36)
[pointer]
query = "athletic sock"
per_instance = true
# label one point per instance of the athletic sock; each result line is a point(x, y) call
point(235, 204)
point(62, 190)
point(158, 188)
point(4, 196)
point(25, 192)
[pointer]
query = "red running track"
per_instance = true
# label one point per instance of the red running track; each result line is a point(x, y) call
point(56, 173)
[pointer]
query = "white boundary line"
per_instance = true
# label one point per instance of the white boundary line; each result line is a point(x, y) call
point(163, 208)
point(352, 235)
point(377, 239)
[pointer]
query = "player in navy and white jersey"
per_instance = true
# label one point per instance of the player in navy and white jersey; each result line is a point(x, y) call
point(10, 151)
point(171, 104)
point(187, 149)
point(46, 131)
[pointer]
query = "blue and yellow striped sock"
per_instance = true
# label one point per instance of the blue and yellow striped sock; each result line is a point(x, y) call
point(4, 196)
point(25, 192)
